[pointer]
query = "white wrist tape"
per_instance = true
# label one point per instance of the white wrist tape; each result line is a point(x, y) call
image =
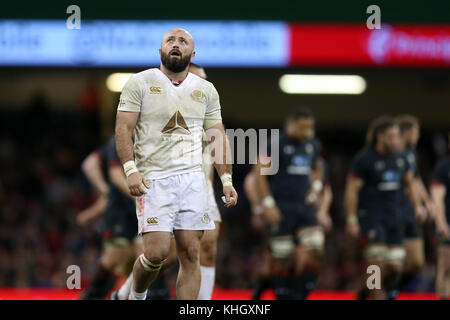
point(268, 202)
point(226, 179)
point(317, 185)
point(129, 167)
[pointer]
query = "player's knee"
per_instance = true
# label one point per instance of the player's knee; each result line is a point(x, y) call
point(151, 264)
point(282, 247)
point(156, 256)
point(189, 255)
point(395, 258)
point(311, 239)
point(375, 254)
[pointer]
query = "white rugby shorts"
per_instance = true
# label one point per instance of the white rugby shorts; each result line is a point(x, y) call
point(178, 202)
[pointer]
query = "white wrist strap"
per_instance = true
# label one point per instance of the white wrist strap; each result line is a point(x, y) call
point(129, 167)
point(317, 185)
point(226, 179)
point(268, 202)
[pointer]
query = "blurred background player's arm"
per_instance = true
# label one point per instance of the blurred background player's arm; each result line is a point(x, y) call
point(316, 189)
point(93, 212)
point(323, 211)
point(414, 195)
point(92, 168)
point(253, 196)
point(354, 184)
point(425, 197)
point(119, 179)
point(271, 212)
point(438, 192)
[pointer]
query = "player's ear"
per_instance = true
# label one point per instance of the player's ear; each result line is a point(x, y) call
point(193, 55)
point(159, 51)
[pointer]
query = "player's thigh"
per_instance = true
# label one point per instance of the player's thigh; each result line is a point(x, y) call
point(444, 258)
point(209, 238)
point(415, 256)
point(188, 244)
point(156, 245)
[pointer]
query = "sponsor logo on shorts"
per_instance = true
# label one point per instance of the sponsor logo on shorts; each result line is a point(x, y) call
point(155, 90)
point(152, 220)
point(206, 218)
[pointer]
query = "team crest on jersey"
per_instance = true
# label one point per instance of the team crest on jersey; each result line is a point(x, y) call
point(152, 220)
point(379, 165)
point(400, 163)
point(411, 158)
point(289, 149)
point(155, 90)
point(198, 96)
point(309, 148)
point(176, 124)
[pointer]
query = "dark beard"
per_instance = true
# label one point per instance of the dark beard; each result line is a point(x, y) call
point(173, 64)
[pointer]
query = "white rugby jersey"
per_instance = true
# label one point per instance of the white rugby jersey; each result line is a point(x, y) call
point(168, 134)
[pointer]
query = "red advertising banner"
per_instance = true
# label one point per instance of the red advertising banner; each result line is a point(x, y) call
point(356, 45)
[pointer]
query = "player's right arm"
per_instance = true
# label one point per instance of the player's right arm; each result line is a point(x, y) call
point(126, 119)
point(125, 124)
point(354, 184)
point(271, 213)
point(438, 192)
point(355, 181)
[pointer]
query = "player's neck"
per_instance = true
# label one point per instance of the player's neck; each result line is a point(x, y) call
point(174, 76)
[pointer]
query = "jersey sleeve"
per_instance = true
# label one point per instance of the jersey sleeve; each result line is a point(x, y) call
point(439, 174)
point(212, 115)
point(131, 96)
point(317, 150)
point(359, 167)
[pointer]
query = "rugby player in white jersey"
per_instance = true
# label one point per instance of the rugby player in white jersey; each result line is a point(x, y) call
point(169, 108)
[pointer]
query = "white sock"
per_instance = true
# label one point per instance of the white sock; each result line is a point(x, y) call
point(125, 289)
point(207, 282)
point(137, 295)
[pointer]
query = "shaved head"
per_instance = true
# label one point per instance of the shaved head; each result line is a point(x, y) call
point(177, 50)
point(179, 32)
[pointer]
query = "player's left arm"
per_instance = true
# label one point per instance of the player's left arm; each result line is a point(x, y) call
point(414, 196)
point(222, 162)
point(323, 212)
point(425, 198)
point(215, 131)
point(316, 182)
